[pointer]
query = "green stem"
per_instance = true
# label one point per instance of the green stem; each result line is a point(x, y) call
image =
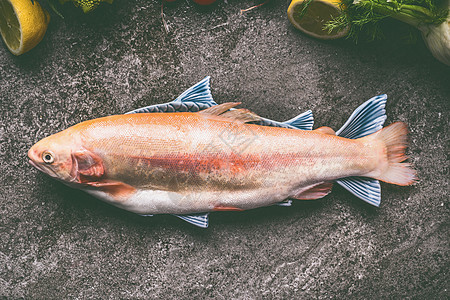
point(411, 14)
point(417, 8)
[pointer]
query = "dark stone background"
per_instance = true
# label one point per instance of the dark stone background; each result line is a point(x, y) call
point(56, 242)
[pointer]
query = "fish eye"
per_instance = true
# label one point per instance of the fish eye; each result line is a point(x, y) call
point(47, 157)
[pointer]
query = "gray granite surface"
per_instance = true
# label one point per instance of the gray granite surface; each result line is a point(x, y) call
point(56, 242)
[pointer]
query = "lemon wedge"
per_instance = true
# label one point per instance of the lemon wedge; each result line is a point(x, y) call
point(319, 12)
point(23, 24)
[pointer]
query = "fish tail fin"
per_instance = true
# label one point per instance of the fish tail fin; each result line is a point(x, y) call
point(367, 122)
point(394, 138)
point(368, 118)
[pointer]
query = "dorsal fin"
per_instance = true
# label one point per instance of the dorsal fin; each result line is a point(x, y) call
point(198, 98)
point(219, 109)
point(227, 110)
point(195, 98)
point(199, 93)
point(241, 114)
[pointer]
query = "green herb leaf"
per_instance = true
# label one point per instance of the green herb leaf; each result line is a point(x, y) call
point(364, 16)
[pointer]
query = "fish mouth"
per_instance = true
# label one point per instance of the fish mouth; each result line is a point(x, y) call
point(34, 164)
point(42, 169)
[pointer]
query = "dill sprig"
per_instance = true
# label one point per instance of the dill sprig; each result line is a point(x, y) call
point(364, 16)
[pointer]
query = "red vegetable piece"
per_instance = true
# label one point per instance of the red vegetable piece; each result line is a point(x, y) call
point(204, 2)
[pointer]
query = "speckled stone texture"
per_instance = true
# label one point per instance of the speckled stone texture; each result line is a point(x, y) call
point(56, 242)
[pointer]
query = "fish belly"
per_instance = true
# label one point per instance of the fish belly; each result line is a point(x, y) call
point(167, 202)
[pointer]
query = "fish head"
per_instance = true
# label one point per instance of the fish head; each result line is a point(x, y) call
point(53, 156)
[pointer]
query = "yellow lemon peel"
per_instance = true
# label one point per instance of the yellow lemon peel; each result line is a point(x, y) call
point(23, 24)
point(318, 13)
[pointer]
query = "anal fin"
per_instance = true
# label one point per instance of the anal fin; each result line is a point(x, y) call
point(317, 191)
point(285, 203)
point(227, 208)
point(200, 220)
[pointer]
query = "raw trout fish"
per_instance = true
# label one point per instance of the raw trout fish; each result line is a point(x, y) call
point(191, 156)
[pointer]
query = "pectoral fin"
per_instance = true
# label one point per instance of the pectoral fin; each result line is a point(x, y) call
point(318, 191)
point(87, 166)
point(116, 189)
